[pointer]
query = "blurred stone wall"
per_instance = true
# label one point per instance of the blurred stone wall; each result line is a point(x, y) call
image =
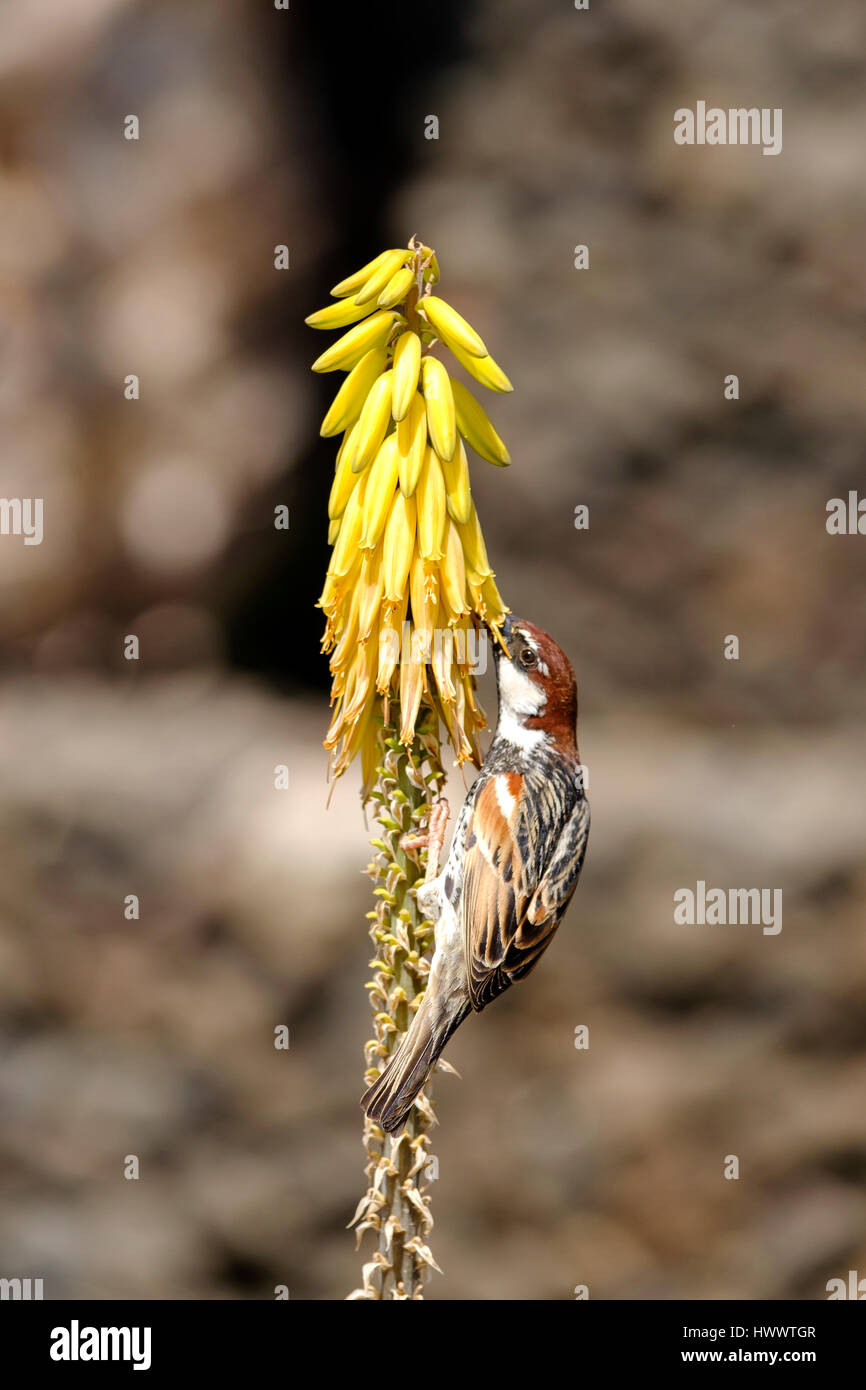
point(557, 1167)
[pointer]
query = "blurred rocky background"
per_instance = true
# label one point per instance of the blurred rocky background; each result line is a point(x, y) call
point(154, 1037)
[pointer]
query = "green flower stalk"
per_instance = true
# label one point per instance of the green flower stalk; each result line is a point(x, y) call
point(396, 1206)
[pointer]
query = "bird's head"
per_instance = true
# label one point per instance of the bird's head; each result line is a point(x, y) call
point(537, 689)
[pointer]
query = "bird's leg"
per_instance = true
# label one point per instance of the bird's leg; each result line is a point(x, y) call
point(432, 839)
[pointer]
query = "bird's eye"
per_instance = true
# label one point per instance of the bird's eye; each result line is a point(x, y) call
point(527, 657)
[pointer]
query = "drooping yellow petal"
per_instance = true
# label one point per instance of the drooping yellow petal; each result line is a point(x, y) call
point(390, 642)
point(397, 288)
point(407, 364)
point(453, 574)
point(484, 369)
point(347, 351)
point(349, 400)
point(345, 551)
point(474, 549)
point(432, 509)
point(476, 428)
point(353, 283)
point(344, 479)
point(458, 494)
point(398, 546)
point(374, 421)
point(452, 327)
point(411, 443)
point(338, 315)
point(380, 493)
point(439, 400)
point(378, 278)
point(370, 593)
point(412, 683)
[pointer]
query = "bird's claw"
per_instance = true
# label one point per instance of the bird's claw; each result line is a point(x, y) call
point(432, 838)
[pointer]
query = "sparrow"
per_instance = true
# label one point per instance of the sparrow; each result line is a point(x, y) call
point(515, 856)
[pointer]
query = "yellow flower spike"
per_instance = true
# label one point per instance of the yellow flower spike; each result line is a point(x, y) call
point(373, 423)
point(398, 546)
point(380, 493)
point(458, 495)
point(411, 445)
point(376, 282)
point(347, 351)
point(453, 573)
point(439, 399)
point(484, 369)
point(406, 539)
point(476, 428)
point(432, 509)
point(451, 327)
point(397, 288)
point(370, 593)
point(390, 640)
point(345, 551)
point(407, 364)
point(474, 549)
point(349, 400)
point(353, 283)
point(339, 315)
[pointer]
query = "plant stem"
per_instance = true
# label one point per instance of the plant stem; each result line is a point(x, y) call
point(396, 1205)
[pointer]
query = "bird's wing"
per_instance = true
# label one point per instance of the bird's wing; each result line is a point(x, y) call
point(517, 883)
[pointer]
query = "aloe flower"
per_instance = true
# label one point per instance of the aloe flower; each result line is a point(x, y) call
point(408, 594)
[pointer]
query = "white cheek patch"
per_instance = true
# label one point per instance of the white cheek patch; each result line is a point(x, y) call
point(519, 699)
point(518, 692)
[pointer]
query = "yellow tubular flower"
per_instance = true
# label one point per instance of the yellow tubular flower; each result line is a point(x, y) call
point(374, 421)
point(407, 364)
point(453, 573)
point(344, 480)
point(349, 400)
point(458, 495)
point(382, 480)
point(411, 443)
point(475, 427)
point(439, 398)
point(398, 546)
point(397, 288)
point(347, 351)
point(408, 552)
point(432, 511)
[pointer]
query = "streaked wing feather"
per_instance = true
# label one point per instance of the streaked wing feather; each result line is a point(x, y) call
point(509, 916)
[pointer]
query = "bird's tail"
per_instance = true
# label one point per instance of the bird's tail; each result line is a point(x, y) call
point(392, 1095)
